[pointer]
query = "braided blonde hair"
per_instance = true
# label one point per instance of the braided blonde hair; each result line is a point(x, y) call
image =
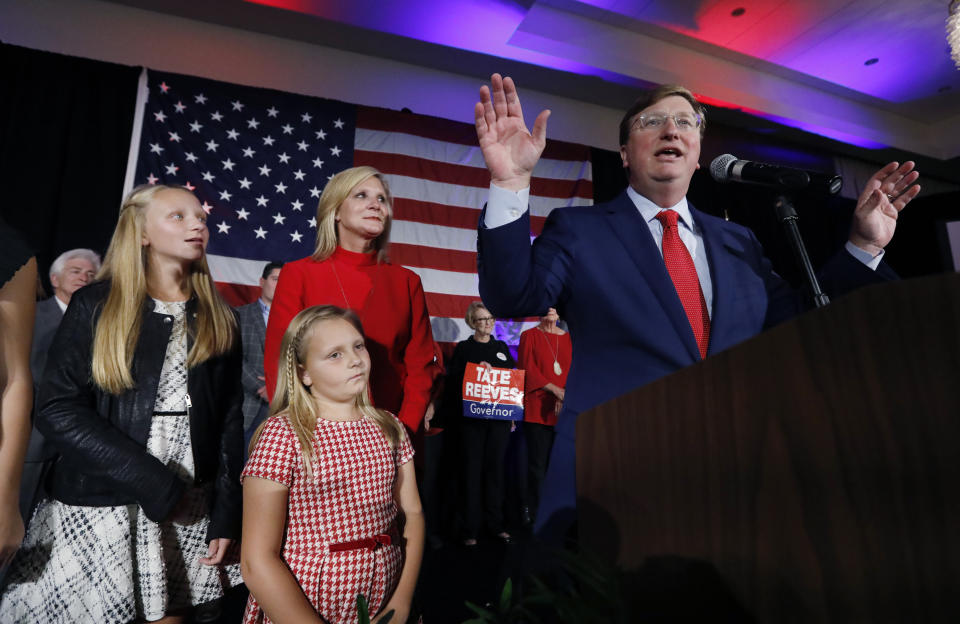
point(294, 398)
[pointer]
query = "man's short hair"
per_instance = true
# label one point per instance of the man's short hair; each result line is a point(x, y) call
point(268, 269)
point(651, 97)
point(87, 254)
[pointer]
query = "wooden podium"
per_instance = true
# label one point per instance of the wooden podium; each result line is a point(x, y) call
point(816, 466)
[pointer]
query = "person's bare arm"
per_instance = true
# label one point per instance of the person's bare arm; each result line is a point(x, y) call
point(17, 305)
point(266, 574)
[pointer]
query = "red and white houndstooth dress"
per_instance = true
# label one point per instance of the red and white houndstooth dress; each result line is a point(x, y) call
point(350, 497)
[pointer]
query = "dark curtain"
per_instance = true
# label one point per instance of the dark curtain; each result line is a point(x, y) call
point(65, 125)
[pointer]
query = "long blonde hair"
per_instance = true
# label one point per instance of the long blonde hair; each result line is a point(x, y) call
point(294, 397)
point(118, 328)
point(337, 190)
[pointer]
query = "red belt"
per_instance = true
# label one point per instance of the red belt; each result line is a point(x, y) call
point(368, 543)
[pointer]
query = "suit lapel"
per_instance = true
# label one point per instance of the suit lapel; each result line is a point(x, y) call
point(715, 241)
point(634, 234)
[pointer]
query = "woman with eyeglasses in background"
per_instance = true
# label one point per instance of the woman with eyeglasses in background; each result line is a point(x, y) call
point(483, 442)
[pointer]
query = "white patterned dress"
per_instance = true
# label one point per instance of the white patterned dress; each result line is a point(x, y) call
point(113, 564)
point(349, 497)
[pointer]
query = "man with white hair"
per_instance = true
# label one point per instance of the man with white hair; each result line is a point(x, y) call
point(71, 271)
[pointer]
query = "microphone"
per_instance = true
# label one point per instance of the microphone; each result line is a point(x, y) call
point(727, 168)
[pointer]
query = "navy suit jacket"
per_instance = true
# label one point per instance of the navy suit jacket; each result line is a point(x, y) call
point(601, 268)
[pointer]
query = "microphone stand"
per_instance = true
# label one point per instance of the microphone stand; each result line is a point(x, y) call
point(788, 216)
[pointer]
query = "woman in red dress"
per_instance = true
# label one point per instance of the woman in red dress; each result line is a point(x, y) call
point(545, 354)
point(349, 268)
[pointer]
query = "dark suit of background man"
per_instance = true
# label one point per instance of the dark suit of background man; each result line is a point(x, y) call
point(603, 268)
point(253, 331)
point(69, 272)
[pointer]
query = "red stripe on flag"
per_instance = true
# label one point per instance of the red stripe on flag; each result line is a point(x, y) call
point(455, 132)
point(431, 258)
point(237, 294)
point(462, 175)
point(441, 214)
point(420, 125)
point(454, 306)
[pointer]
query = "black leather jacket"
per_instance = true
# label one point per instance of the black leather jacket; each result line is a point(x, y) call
point(101, 438)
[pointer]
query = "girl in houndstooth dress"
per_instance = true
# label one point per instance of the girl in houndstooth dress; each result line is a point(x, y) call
point(331, 508)
point(140, 401)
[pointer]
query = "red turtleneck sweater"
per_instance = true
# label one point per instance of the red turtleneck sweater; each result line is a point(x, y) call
point(390, 303)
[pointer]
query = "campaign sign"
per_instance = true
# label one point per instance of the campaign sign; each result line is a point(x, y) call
point(492, 394)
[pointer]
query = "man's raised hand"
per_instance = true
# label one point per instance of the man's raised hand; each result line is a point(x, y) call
point(509, 149)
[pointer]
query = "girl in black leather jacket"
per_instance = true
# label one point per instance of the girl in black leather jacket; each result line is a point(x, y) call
point(141, 399)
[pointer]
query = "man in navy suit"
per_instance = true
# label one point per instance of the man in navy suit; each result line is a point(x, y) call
point(253, 331)
point(602, 267)
point(71, 271)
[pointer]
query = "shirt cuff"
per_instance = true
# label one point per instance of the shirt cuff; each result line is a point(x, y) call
point(864, 256)
point(505, 206)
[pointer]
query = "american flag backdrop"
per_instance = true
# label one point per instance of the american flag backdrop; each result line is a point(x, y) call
point(258, 160)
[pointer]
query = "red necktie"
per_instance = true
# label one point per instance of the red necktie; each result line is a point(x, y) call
point(684, 275)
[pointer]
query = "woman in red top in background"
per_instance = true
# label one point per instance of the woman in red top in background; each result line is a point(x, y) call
point(350, 269)
point(545, 354)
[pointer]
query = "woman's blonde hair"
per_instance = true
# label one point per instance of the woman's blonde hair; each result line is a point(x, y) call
point(471, 316)
point(294, 397)
point(118, 328)
point(337, 190)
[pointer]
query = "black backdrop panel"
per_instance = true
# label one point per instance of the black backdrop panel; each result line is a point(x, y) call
point(65, 126)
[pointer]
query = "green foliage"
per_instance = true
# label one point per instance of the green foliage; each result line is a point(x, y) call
point(363, 612)
point(586, 591)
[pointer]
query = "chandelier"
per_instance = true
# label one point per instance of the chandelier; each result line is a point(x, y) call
point(953, 31)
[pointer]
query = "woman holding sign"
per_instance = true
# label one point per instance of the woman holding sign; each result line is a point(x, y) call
point(484, 439)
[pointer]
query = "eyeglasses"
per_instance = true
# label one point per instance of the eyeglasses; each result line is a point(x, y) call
point(483, 319)
point(685, 122)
